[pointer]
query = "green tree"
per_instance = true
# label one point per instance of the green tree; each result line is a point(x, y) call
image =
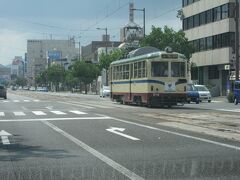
point(41, 79)
point(85, 72)
point(106, 59)
point(21, 81)
point(55, 75)
point(70, 80)
point(161, 38)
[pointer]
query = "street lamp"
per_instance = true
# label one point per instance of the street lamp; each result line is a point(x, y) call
point(105, 29)
point(144, 23)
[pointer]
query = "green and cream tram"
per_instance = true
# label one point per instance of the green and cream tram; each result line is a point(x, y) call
point(150, 78)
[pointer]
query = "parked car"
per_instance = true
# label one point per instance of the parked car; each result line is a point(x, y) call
point(192, 94)
point(105, 91)
point(3, 92)
point(204, 93)
point(236, 92)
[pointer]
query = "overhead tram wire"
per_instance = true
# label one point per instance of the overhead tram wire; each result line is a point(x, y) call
point(164, 13)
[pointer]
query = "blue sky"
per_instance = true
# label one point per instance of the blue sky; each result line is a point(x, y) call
point(38, 19)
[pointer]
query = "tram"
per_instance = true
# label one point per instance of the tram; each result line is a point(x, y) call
point(150, 77)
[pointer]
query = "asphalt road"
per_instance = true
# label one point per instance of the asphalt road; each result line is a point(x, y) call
point(86, 137)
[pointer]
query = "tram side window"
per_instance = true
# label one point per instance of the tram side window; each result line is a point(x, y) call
point(159, 69)
point(178, 69)
point(126, 71)
point(140, 69)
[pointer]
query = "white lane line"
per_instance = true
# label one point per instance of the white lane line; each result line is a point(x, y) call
point(6, 101)
point(39, 113)
point(178, 134)
point(87, 107)
point(229, 110)
point(77, 112)
point(19, 113)
point(26, 100)
point(55, 119)
point(36, 100)
point(58, 112)
point(121, 169)
point(2, 114)
point(16, 101)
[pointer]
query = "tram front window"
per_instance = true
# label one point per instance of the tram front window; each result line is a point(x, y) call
point(178, 69)
point(159, 69)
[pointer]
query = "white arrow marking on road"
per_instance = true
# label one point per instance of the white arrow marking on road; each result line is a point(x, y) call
point(115, 131)
point(4, 136)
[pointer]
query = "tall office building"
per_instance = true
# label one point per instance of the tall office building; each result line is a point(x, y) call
point(41, 53)
point(210, 26)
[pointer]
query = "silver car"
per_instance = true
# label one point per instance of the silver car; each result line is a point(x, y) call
point(204, 93)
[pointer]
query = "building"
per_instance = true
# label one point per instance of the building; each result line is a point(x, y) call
point(90, 52)
point(210, 26)
point(17, 67)
point(42, 53)
point(131, 32)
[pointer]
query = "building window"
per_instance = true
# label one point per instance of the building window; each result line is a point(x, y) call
point(196, 46)
point(184, 3)
point(225, 12)
point(217, 14)
point(209, 43)
point(202, 44)
point(202, 18)
point(190, 22)
point(214, 42)
point(213, 72)
point(217, 41)
point(209, 16)
point(196, 20)
point(185, 23)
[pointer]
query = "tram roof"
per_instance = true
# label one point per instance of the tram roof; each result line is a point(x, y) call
point(146, 56)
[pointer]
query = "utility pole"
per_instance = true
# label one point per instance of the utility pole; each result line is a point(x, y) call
point(237, 39)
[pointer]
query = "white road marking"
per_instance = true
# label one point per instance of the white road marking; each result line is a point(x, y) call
point(229, 110)
point(4, 136)
point(19, 113)
point(87, 107)
point(178, 134)
point(39, 113)
point(26, 100)
point(55, 119)
point(6, 101)
point(77, 112)
point(58, 112)
point(115, 131)
point(2, 114)
point(49, 107)
point(16, 101)
point(36, 100)
point(121, 169)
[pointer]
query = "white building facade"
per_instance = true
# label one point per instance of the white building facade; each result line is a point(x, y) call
point(210, 26)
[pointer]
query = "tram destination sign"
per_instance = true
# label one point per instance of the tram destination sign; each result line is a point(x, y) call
point(169, 56)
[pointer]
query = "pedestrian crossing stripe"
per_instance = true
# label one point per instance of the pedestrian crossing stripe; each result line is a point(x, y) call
point(41, 113)
point(17, 101)
point(77, 112)
point(19, 113)
point(58, 112)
